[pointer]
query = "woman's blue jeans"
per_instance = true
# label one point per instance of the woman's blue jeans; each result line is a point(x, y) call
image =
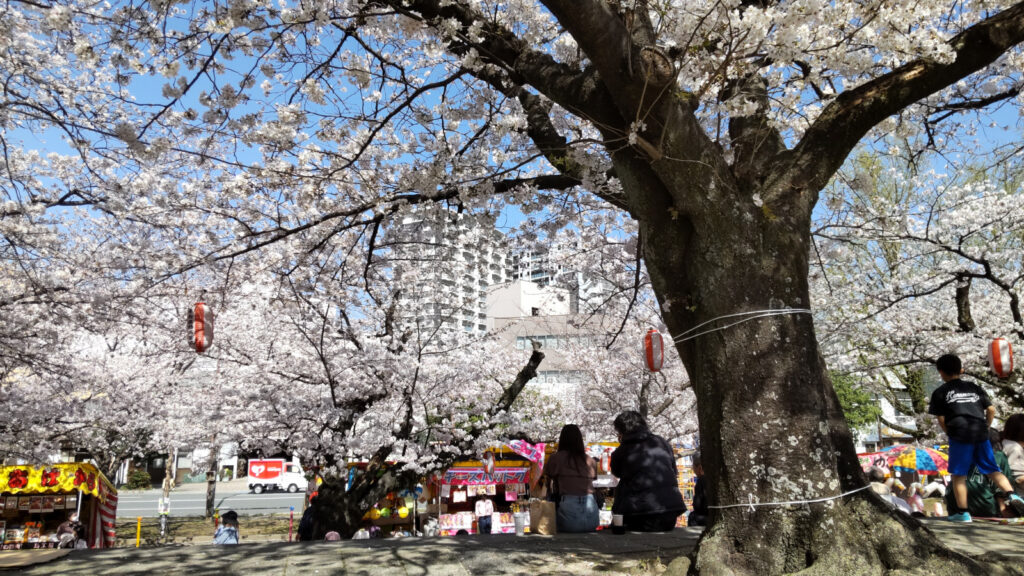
point(578, 514)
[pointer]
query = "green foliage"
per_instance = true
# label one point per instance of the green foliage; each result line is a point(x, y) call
point(138, 480)
point(859, 406)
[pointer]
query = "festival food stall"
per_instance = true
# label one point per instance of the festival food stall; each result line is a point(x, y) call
point(35, 500)
point(502, 476)
point(463, 483)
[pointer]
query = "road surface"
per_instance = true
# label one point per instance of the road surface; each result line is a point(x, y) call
point(193, 502)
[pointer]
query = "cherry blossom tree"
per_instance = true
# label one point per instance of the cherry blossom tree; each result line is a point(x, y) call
point(917, 264)
point(713, 125)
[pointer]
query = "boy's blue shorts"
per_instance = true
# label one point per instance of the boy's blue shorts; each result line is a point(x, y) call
point(962, 455)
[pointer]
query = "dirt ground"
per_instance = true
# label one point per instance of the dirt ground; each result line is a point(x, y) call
point(198, 530)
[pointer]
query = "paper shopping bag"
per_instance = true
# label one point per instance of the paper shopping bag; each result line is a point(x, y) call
point(542, 517)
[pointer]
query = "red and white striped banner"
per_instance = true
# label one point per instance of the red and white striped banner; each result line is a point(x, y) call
point(106, 521)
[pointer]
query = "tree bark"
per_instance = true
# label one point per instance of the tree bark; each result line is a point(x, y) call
point(771, 428)
point(211, 479)
point(726, 230)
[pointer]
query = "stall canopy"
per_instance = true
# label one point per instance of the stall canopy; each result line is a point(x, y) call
point(66, 478)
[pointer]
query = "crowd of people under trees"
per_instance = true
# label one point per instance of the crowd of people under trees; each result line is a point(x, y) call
point(986, 469)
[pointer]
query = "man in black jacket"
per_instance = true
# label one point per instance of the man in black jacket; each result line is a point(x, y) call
point(648, 494)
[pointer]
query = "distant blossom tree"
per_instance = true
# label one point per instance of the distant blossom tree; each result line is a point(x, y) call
point(913, 266)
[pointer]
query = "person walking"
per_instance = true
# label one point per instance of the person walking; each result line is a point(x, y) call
point(647, 495)
point(965, 414)
point(573, 472)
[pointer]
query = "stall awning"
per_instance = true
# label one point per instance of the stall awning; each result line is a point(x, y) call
point(478, 476)
point(56, 479)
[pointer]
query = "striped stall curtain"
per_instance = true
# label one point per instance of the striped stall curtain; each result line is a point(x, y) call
point(107, 517)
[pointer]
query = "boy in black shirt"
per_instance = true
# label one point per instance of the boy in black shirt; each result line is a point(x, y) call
point(965, 414)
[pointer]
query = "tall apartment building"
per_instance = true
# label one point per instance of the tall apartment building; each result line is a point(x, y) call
point(443, 262)
point(551, 267)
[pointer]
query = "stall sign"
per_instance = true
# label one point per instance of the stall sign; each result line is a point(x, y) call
point(478, 476)
point(66, 477)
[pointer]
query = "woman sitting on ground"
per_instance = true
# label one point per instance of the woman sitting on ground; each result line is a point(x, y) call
point(573, 474)
point(648, 494)
point(1013, 447)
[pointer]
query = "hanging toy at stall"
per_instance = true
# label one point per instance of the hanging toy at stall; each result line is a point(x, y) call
point(200, 327)
point(1000, 357)
point(654, 350)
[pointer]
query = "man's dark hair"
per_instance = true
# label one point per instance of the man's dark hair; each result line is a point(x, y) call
point(1014, 428)
point(949, 364)
point(876, 474)
point(695, 459)
point(629, 422)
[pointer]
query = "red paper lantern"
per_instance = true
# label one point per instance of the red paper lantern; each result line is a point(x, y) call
point(200, 327)
point(1000, 357)
point(654, 350)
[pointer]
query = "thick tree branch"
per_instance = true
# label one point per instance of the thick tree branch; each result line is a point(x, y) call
point(635, 76)
point(853, 113)
point(526, 374)
point(575, 90)
point(755, 142)
point(963, 305)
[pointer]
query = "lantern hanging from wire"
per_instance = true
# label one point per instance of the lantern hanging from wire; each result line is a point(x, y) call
point(1000, 357)
point(200, 327)
point(654, 350)
point(488, 462)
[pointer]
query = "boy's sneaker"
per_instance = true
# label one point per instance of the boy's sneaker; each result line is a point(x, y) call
point(959, 517)
point(1017, 503)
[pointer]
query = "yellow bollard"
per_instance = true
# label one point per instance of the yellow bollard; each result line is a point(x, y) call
point(138, 532)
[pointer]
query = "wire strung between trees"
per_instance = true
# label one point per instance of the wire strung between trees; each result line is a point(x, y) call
point(752, 315)
point(752, 505)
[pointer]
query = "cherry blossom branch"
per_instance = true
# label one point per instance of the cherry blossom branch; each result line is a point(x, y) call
point(845, 120)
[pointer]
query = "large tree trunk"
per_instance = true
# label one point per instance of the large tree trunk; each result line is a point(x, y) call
point(771, 428)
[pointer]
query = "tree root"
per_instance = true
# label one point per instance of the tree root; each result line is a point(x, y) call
point(860, 537)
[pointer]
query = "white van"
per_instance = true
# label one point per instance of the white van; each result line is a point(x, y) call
point(275, 474)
